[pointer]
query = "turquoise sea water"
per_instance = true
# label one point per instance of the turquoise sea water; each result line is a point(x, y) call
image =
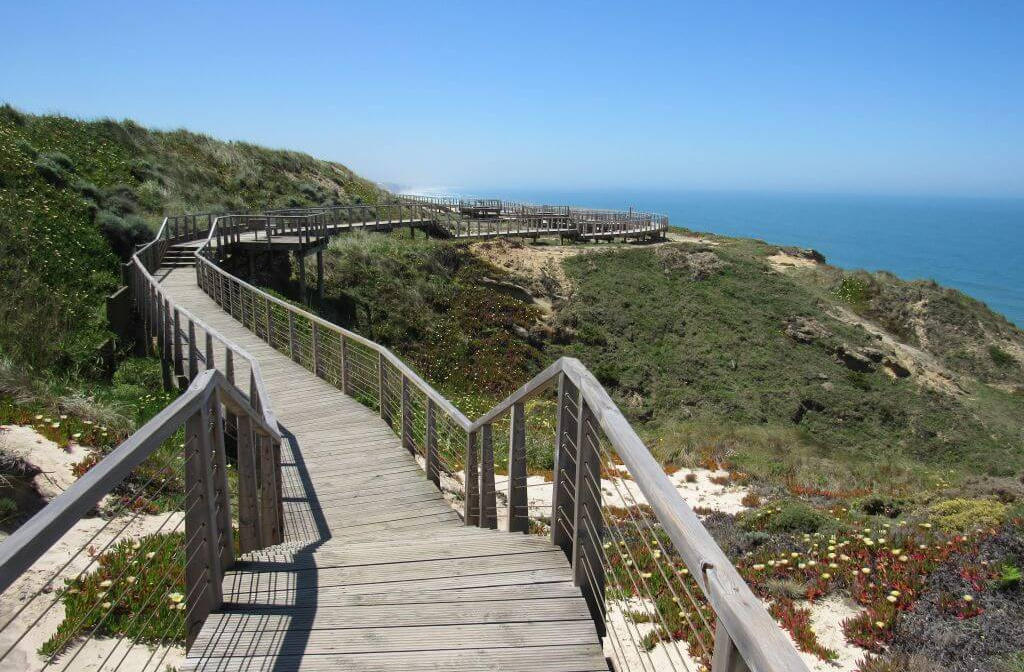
point(973, 244)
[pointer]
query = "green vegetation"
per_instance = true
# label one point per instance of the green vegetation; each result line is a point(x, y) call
point(960, 515)
point(749, 366)
point(75, 196)
point(793, 517)
point(137, 591)
point(427, 299)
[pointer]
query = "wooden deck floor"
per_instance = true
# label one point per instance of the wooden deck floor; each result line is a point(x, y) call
point(377, 571)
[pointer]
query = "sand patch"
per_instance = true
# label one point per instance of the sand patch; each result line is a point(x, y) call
point(624, 492)
point(54, 463)
point(41, 611)
point(926, 369)
point(692, 238)
point(781, 261)
point(623, 644)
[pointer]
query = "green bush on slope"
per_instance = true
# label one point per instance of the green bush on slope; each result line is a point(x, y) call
point(77, 195)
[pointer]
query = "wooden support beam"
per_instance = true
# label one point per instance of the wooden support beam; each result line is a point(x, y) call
point(471, 514)
point(193, 352)
point(587, 518)
point(565, 466)
point(320, 275)
point(433, 460)
point(518, 512)
point(488, 497)
point(726, 657)
point(407, 439)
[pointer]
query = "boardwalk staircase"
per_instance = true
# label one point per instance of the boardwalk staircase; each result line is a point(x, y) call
point(179, 256)
point(336, 512)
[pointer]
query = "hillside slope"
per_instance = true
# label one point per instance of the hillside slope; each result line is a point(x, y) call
point(76, 195)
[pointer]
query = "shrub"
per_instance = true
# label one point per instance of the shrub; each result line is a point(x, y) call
point(1009, 576)
point(26, 147)
point(121, 199)
point(61, 160)
point(90, 191)
point(50, 171)
point(751, 500)
point(796, 517)
point(123, 233)
point(961, 515)
point(786, 588)
point(855, 290)
point(881, 506)
point(1000, 357)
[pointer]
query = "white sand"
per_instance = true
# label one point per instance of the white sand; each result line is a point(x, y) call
point(624, 642)
point(624, 492)
point(44, 576)
point(827, 616)
point(54, 462)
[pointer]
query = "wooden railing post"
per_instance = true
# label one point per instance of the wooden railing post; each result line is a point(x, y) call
point(226, 550)
point(209, 351)
point(343, 364)
point(269, 321)
point(518, 513)
point(382, 389)
point(472, 505)
point(193, 352)
point(562, 501)
point(270, 523)
point(587, 519)
point(203, 567)
point(179, 365)
point(316, 348)
point(726, 657)
point(488, 497)
point(407, 439)
point(293, 344)
point(433, 465)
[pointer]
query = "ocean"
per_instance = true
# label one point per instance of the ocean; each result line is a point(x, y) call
point(972, 244)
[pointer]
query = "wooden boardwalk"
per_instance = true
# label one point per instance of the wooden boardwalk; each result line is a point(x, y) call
point(378, 571)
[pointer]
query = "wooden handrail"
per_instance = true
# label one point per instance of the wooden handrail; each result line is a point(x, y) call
point(202, 258)
point(269, 420)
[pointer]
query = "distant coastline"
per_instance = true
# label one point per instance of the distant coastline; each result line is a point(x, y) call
point(972, 244)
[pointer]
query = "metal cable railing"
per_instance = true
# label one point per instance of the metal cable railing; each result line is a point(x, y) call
point(126, 587)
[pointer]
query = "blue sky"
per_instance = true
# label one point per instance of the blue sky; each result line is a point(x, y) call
point(874, 97)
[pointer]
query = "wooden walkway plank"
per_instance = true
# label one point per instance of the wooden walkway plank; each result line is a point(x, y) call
point(378, 571)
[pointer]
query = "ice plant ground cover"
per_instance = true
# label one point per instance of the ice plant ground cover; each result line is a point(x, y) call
point(136, 591)
point(885, 565)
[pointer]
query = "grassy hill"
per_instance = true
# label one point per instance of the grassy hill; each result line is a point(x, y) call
point(75, 196)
